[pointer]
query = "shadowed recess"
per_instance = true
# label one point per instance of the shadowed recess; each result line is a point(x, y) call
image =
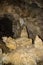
point(5, 27)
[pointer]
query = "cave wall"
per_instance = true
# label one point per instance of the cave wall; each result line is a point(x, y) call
point(24, 12)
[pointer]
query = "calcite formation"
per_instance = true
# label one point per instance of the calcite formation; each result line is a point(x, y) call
point(26, 17)
point(23, 41)
point(22, 51)
point(38, 43)
point(24, 55)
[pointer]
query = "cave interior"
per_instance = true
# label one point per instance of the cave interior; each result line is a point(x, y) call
point(5, 27)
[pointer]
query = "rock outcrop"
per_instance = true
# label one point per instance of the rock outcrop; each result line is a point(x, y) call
point(26, 13)
point(27, 26)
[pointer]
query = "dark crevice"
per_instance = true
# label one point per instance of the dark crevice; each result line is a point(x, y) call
point(5, 27)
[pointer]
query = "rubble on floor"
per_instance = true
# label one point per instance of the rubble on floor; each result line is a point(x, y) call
point(22, 51)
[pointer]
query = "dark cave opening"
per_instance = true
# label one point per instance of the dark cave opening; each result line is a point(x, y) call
point(5, 27)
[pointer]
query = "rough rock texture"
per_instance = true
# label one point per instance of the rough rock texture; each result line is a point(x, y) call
point(22, 51)
point(27, 18)
point(0, 56)
point(24, 12)
point(32, 55)
point(23, 41)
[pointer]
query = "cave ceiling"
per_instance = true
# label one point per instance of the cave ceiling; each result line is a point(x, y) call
point(22, 7)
